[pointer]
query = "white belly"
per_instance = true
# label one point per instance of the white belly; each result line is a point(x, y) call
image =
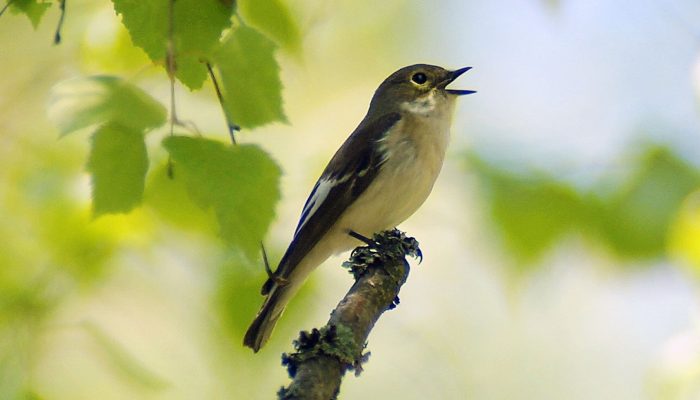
point(398, 191)
point(402, 186)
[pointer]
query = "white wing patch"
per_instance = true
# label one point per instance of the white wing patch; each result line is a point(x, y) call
point(318, 196)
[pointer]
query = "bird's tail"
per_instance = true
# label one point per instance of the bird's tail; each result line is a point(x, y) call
point(263, 324)
point(279, 294)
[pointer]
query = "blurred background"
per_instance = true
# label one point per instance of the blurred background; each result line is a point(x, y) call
point(561, 242)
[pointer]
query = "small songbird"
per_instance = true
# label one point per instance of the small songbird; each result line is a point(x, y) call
point(379, 177)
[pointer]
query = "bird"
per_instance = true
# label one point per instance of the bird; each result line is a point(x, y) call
point(380, 176)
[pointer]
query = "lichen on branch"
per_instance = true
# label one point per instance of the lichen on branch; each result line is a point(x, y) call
point(322, 356)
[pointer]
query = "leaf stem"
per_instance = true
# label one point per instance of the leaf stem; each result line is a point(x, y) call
point(232, 127)
point(5, 7)
point(57, 35)
point(170, 67)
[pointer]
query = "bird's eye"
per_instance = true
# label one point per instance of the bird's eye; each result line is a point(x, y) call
point(419, 78)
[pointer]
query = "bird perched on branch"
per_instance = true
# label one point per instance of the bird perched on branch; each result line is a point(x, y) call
point(379, 177)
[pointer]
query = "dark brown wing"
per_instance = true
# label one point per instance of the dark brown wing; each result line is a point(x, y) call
point(351, 170)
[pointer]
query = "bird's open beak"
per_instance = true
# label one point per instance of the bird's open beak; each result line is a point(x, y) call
point(451, 76)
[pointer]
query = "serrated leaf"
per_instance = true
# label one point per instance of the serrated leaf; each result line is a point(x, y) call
point(250, 78)
point(240, 183)
point(82, 102)
point(118, 163)
point(197, 27)
point(274, 19)
point(33, 9)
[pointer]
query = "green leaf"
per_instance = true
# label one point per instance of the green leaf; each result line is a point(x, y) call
point(535, 211)
point(197, 27)
point(106, 48)
point(118, 163)
point(84, 251)
point(82, 102)
point(250, 78)
point(274, 19)
point(169, 198)
point(638, 217)
point(532, 211)
point(33, 9)
point(240, 183)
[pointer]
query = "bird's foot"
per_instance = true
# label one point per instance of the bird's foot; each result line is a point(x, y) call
point(369, 242)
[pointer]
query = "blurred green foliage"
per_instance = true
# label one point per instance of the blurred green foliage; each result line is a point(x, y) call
point(639, 214)
point(45, 211)
point(50, 250)
point(118, 164)
point(534, 211)
point(685, 234)
point(82, 102)
point(33, 9)
point(123, 361)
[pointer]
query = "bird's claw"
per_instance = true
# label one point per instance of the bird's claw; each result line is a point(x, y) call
point(419, 255)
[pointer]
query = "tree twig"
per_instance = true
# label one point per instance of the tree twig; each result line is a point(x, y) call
point(322, 356)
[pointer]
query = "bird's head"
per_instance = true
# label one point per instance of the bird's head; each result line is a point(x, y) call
point(417, 88)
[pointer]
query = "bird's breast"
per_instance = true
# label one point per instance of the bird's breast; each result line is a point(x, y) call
point(414, 152)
